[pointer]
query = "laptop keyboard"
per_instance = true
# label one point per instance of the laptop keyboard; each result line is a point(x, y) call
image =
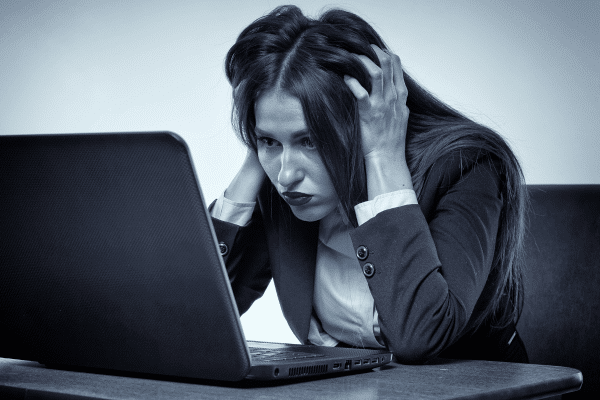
point(262, 354)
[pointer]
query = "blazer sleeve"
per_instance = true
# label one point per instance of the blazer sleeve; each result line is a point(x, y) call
point(429, 273)
point(246, 258)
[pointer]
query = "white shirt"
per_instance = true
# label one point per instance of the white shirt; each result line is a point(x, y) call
point(343, 307)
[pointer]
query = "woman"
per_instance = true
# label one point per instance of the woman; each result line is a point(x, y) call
point(380, 227)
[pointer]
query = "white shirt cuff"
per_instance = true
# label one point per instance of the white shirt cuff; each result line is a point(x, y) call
point(231, 211)
point(367, 210)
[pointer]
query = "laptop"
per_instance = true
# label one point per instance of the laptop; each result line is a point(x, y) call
point(108, 260)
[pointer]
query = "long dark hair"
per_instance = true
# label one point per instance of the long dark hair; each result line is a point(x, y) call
point(308, 58)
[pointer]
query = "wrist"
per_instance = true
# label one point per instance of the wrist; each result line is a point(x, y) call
point(389, 154)
point(386, 172)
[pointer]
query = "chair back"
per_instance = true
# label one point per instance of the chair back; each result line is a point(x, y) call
point(560, 323)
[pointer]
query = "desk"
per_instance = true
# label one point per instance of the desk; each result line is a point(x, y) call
point(441, 379)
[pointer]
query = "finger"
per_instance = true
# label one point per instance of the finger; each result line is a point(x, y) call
point(358, 91)
point(375, 73)
point(387, 70)
point(399, 83)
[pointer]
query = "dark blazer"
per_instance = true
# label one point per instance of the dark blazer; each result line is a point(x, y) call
point(431, 263)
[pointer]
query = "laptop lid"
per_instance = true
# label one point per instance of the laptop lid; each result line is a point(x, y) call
point(108, 258)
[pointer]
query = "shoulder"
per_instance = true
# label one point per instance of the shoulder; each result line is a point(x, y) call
point(469, 169)
point(451, 168)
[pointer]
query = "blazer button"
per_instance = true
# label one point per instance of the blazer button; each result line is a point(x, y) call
point(368, 270)
point(362, 253)
point(223, 248)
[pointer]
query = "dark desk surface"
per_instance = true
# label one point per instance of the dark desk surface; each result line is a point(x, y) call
point(443, 379)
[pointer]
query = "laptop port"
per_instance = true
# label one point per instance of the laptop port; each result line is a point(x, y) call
point(356, 362)
point(348, 364)
point(366, 361)
point(337, 365)
point(375, 360)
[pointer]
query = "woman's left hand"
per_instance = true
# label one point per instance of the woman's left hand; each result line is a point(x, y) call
point(383, 120)
point(383, 113)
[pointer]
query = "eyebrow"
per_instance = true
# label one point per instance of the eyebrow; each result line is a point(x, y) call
point(301, 132)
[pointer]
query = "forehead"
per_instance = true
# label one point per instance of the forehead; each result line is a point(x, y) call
point(278, 112)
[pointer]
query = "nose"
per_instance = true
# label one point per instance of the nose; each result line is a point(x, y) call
point(290, 171)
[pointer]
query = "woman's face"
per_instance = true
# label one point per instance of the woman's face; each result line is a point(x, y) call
point(289, 158)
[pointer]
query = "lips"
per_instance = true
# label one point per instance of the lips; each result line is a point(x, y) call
point(296, 198)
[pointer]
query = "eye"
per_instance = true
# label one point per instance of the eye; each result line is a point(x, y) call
point(306, 142)
point(267, 141)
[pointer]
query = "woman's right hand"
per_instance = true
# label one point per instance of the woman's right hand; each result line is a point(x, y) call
point(245, 186)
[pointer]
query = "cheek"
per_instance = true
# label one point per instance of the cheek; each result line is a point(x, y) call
point(327, 187)
point(270, 164)
point(320, 173)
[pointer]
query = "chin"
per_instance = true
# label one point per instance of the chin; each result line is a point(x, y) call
point(307, 218)
point(308, 215)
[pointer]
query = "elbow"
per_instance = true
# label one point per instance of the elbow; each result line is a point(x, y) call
point(419, 346)
point(422, 336)
point(412, 352)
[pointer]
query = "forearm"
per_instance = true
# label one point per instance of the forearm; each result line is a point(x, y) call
point(243, 243)
point(246, 184)
point(246, 258)
point(428, 276)
point(418, 315)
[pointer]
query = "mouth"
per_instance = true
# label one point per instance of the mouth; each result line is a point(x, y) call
point(296, 198)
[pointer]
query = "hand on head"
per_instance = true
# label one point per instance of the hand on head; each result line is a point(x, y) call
point(383, 112)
